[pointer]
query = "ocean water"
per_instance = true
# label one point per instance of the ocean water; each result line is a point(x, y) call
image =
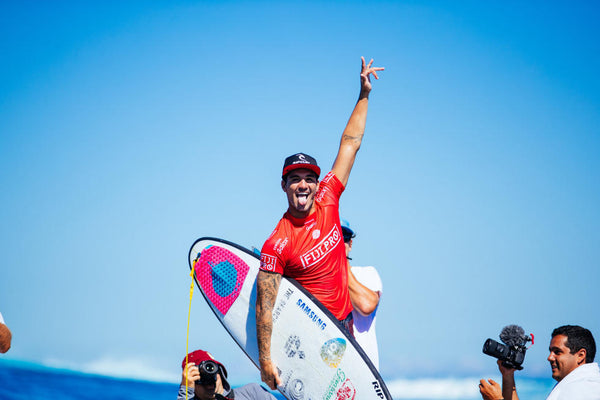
point(19, 381)
point(24, 382)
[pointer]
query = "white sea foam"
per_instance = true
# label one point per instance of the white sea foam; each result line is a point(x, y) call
point(434, 388)
point(131, 368)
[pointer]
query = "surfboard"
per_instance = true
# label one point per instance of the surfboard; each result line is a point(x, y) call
point(317, 359)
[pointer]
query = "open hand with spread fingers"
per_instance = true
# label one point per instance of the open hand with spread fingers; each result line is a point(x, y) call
point(365, 78)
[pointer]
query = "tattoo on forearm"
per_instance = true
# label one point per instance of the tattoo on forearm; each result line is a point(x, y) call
point(267, 286)
point(352, 138)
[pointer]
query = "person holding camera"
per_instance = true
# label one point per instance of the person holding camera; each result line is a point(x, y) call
point(572, 352)
point(206, 379)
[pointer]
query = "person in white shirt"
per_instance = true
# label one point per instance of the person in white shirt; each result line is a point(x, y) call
point(365, 299)
point(572, 352)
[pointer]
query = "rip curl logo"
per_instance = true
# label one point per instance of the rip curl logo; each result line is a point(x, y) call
point(267, 262)
point(282, 245)
point(328, 177)
point(301, 159)
point(324, 247)
point(333, 351)
point(321, 193)
point(311, 314)
point(316, 233)
point(292, 347)
point(378, 390)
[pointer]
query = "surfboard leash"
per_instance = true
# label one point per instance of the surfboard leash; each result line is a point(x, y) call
point(187, 339)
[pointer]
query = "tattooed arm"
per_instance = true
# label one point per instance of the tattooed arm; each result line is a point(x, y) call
point(355, 128)
point(267, 286)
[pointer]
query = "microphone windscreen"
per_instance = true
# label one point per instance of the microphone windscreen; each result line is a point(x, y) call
point(513, 335)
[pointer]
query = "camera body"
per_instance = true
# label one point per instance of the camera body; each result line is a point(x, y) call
point(511, 356)
point(208, 372)
point(512, 352)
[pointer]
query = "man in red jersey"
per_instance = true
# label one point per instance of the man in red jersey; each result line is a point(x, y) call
point(307, 243)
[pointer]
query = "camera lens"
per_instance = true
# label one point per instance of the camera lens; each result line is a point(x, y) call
point(495, 349)
point(210, 367)
point(208, 372)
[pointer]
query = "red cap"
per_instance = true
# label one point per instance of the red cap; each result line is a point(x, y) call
point(300, 160)
point(198, 356)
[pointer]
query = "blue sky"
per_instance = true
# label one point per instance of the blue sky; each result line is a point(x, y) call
point(129, 130)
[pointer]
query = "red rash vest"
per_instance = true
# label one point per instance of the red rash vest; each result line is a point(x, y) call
point(311, 250)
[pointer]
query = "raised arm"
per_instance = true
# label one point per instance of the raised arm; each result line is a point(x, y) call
point(364, 300)
point(355, 128)
point(267, 286)
point(491, 390)
point(509, 388)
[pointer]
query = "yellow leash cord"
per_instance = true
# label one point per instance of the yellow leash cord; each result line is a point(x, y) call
point(187, 339)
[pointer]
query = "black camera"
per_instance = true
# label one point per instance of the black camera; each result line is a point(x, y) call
point(512, 352)
point(208, 372)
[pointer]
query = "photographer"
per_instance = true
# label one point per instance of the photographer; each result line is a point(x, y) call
point(207, 379)
point(572, 352)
